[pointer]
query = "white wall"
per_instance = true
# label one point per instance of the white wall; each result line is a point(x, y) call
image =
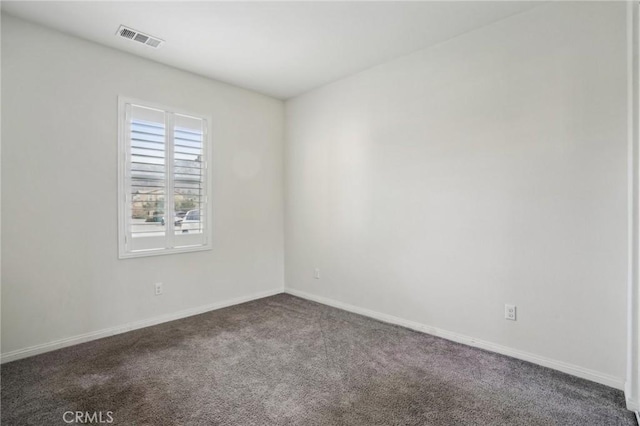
point(490, 169)
point(60, 270)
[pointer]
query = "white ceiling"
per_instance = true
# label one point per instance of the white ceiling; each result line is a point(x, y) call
point(281, 49)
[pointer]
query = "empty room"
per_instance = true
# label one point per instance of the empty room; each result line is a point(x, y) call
point(319, 213)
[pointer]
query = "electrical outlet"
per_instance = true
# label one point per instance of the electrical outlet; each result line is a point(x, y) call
point(316, 274)
point(510, 312)
point(158, 288)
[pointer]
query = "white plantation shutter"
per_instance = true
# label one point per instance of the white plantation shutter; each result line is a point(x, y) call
point(164, 170)
point(189, 183)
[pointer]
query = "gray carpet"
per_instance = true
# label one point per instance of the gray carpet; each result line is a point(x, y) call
point(286, 361)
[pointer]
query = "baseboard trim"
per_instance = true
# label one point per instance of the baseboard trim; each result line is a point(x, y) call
point(631, 403)
point(564, 367)
point(575, 370)
point(94, 335)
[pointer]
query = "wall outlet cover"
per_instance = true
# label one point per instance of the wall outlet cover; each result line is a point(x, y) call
point(510, 312)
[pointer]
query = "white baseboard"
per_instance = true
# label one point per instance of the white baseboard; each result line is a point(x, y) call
point(575, 370)
point(94, 335)
point(631, 403)
point(564, 367)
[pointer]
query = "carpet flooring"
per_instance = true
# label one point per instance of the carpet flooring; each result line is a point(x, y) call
point(287, 361)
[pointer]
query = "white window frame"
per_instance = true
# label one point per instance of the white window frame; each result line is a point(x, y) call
point(124, 182)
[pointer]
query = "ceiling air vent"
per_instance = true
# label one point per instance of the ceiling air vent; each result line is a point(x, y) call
point(131, 34)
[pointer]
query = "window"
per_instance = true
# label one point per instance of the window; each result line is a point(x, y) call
point(163, 176)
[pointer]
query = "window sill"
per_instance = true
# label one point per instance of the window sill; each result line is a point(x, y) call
point(161, 252)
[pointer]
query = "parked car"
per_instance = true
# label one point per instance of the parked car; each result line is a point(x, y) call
point(156, 218)
point(179, 217)
point(191, 221)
